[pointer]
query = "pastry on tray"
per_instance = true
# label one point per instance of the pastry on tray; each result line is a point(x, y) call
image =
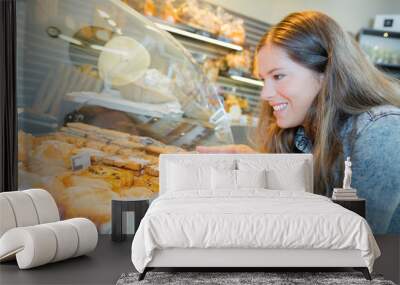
point(111, 148)
point(75, 140)
point(129, 162)
point(131, 152)
point(54, 152)
point(76, 201)
point(128, 144)
point(148, 181)
point(152, 170)
point(117, 177)
point(136, 191)
point(95, 144)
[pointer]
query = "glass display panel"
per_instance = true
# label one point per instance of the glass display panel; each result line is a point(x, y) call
point(102, 92)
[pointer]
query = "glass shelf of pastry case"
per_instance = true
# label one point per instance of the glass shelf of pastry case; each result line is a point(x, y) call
point(193, 33)
point(115, 102)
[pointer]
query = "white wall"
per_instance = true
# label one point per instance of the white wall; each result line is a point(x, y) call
point(352, 15)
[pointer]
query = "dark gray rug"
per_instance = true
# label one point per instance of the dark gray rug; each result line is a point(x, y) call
point(229, 278)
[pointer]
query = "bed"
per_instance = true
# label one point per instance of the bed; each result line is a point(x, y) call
point(242, 211)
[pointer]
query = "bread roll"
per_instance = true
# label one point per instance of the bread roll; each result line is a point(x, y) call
point(89, 202)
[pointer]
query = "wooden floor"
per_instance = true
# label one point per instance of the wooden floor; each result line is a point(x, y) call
point(111, 259)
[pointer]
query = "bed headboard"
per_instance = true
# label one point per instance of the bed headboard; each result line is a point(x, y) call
point(236, 159)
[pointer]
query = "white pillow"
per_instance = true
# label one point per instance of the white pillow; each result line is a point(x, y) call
point(282, 174)
point(183, 177)
point(251, 178)
point(293, 179)
point(223, 179)
point(227, 179)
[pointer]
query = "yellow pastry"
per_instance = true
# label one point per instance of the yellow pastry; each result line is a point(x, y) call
point(152, 170)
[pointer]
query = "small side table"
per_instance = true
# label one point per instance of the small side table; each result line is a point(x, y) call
point(118, 207)
point(357, 206)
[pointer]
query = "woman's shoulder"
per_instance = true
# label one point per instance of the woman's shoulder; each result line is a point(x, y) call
point(375, 113)
point(388, 115)
point(384, 118)
point(372, 129)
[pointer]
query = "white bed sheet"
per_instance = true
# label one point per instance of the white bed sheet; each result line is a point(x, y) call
point(252, 218)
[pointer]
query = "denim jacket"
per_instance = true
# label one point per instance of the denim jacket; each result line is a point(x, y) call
point(374, 149)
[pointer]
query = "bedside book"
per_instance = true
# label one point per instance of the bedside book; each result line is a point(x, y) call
point(344, 194)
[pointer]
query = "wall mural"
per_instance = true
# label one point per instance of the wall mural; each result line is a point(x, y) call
point(102, 92)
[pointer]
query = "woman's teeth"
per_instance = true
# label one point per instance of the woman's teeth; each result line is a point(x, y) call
point(280, 107)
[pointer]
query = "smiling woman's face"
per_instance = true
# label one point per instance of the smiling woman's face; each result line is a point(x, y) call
point(289, 88)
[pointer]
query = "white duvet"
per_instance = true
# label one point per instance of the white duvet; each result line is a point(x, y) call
point(250, 219)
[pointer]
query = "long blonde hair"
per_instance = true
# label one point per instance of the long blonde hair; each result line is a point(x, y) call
point(351, 85)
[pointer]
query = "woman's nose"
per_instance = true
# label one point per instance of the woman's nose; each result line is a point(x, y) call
point(267, 92)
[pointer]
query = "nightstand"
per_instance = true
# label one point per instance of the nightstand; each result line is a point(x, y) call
point(357, 206)
point(118, 207)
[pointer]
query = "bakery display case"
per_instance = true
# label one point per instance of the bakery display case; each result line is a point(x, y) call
point(102, 92)
point(223, 43)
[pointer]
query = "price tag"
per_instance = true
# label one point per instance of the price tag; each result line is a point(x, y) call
point(219, 115)
point(80, 161)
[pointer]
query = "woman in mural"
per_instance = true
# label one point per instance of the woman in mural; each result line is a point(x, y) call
point(322, 96)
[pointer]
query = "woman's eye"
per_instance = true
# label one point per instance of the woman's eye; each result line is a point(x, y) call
point(278, 76)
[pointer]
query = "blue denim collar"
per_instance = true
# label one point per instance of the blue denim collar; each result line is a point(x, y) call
point(302, 142)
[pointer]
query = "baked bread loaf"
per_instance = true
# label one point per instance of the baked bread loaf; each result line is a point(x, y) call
point(128, 162)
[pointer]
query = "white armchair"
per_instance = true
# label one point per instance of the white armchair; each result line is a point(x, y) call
point(31, 230)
